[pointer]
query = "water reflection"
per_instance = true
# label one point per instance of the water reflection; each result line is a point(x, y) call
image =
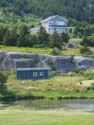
point(86, 104)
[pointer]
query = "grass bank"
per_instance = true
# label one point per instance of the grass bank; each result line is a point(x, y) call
point(71, 85)
point(20, 116)
point(73, 51)
point(65, 51)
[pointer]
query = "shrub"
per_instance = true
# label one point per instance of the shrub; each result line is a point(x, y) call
point(65, 37)
point(51, 64)
point(85, 50)
point(91, 87)
point(91, 41)
point(88, 40)
point(56, 73)
point(3, 78)
point(56, 51)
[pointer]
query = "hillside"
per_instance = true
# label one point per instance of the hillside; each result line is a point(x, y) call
point(15, 11)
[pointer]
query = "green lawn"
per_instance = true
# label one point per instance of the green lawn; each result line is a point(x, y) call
point(76, 40)
point(26, 49)
point(65, 50)
point(57, 87)
point(73, 51)
point(29, 117)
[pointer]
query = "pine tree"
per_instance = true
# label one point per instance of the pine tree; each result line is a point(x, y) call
point(55, 41)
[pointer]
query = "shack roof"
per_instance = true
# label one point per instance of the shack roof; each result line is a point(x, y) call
point(26, 69)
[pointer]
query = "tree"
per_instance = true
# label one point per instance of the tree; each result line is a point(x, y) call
point(10, 38)
point(91, 41)
point(55, 41)
point(87, 31)
point(65, 37)
point(3, 29)
point(85, 41)
point(32, 40)
point(23, 36)
point(88, 40)
point(85, 49)
point(3, 79)
point(43, 37)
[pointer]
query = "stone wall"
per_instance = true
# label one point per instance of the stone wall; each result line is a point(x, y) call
point(14, 60)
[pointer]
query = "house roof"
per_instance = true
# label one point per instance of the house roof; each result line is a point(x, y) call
point(38, 27)
point(51, 17)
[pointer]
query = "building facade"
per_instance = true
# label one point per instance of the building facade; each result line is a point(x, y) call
point(54, 24)
point(33, 73)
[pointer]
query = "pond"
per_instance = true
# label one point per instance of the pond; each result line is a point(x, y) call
point(76, 104)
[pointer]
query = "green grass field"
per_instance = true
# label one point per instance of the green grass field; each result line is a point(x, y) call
point(57, 87)
point(65, 51)
point(29, 117)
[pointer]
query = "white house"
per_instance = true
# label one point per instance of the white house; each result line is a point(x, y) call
point(53, 24)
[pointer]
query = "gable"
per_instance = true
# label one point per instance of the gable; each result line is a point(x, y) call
point(55, 18)
point(58, 18)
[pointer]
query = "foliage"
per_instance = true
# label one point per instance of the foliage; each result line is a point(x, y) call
point(84, 41)
point(91, 41)
point(58, 86)
point(55, 41)
point(65, 38)
point(85, 50)
point(21, 37)
point(3, 29)
point(43, 38)
point(10, 38)
point(88, 40)
point(3, 78)
point(56, 73)
point(87, 75)
point(56, 51)
point(83, 29)
point(77, 10)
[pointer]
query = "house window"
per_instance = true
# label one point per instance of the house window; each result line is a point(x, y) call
point(51, 23)
point(41, 73)
point(60, 23)
point(34, 74)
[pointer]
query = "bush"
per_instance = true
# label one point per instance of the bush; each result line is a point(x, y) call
point(3, 78)
point(91, 41)
point(56, 73)
point(56, 51)
point(88, 40)
point(85, 50)
point(91, 87)
point(65, 37)
point(88, 75)
point(51, 64)
point(55, 41)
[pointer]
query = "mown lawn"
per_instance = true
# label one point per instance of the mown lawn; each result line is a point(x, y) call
point(29, 117)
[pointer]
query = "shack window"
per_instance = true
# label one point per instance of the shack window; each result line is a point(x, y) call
point(34, 74)
point(49, 73)
point(41, 73)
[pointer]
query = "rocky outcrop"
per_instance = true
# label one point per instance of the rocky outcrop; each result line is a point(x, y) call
point(14, 60)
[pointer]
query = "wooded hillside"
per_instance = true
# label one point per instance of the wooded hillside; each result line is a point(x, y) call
point(80, 10)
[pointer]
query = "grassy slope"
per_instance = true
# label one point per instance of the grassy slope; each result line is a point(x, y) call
point(73, 51)
point(28, 117)
point(55, 88)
